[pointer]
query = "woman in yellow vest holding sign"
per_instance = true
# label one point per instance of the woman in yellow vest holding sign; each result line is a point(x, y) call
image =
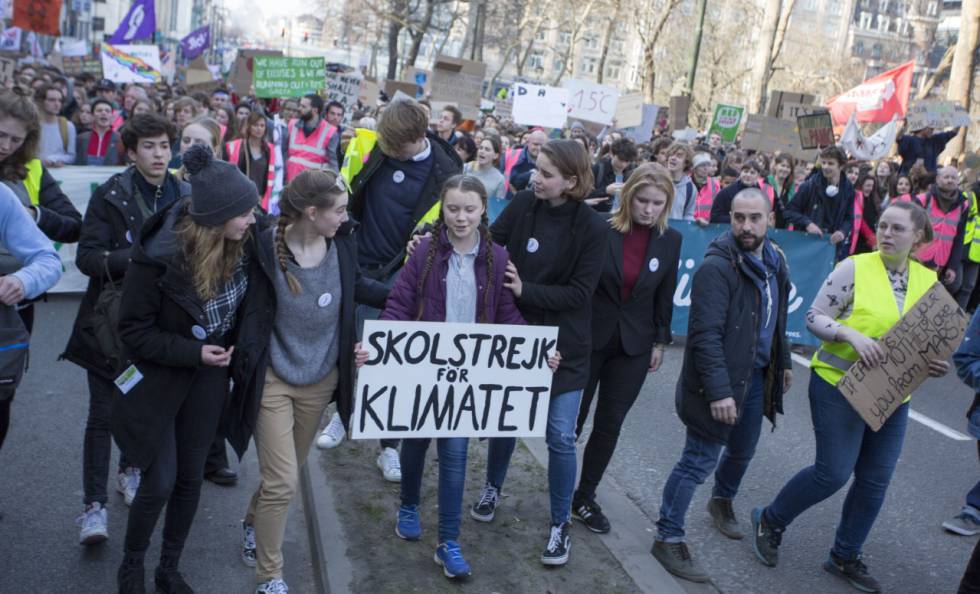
point(859, 302)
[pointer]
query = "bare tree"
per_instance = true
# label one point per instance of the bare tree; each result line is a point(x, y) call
point(651, 26)
point(615, 7)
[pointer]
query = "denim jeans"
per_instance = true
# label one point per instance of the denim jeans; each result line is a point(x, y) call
point(452, 477)
point(560, 437)
point(845, 446)
point(363, 313)
point(973, 497)
point(701, 456)
point(97, 445)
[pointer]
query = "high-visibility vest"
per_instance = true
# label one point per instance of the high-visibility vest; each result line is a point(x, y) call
point(33, 180)
point(705, 198)
point(873, 313)
point(770, 192)
point(358, 152)
point(858, 219)
point(511, 157)
point(117, 121)
point(233, 150)
point(944, 226)
point(972, 236)
point(307, 152)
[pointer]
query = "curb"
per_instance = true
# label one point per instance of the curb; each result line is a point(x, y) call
point(332, 571)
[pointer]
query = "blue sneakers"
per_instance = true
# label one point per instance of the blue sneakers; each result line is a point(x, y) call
point(451, 559)
point(408, 526)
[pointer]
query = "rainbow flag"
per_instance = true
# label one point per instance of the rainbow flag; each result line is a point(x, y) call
point(132, 63)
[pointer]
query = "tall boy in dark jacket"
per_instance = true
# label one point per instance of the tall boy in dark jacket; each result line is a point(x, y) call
point(739, 298)
point(824, 203)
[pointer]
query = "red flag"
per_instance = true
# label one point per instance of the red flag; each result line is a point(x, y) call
point(876, 99)
point(40, 16)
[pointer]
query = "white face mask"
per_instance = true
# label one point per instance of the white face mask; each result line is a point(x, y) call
point(832, 191)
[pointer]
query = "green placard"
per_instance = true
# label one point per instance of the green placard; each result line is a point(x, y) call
point(726, 121)
point(278, 76)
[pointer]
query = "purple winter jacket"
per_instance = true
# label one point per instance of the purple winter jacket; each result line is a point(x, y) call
point(403, 300)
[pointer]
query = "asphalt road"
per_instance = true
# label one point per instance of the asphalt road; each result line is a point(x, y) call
point(41, 493)
point(907, 551)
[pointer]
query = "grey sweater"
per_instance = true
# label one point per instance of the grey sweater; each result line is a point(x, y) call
point(306, 333)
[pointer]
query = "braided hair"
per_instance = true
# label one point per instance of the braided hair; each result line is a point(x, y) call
point(465, 184)
point(312, 187)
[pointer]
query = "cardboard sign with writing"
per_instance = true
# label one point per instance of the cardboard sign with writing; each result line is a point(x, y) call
point(791, 111)
point(274, 76)
point(726, 121)
point(393, 86)
point(536, 105)
point(816, 130)
point(241, 73)
point(344, 88)
point(75, 65)
point(937, 114)
point(591, 102)
point(503, 108)
point(459, 81)
point(771, 134)
point(931, 329)
point(779, 99)
point(679, 106)
point(7, 68)
point(426, 379)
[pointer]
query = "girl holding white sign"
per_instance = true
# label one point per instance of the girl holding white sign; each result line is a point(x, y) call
point(557, 244)
point(862, 299)
point(457, 274)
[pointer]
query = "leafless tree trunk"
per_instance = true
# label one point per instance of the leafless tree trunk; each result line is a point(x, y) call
point(615, 6)
point(763, 55)
point(649, 36)
point(962, 71)
point(568, 59)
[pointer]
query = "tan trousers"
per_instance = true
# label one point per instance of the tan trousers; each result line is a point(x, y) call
point(289, 417)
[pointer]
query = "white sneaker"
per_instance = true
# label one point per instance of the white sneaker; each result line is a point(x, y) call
point(127, 483)
point(276, 586)
point(390, 465)
point(332, 435)
point(95, 525)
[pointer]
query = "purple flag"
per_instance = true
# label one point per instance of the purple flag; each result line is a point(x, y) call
point(196, 42)
point(139, 23)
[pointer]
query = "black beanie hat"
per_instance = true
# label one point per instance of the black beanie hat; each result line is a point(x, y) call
point(219, 191)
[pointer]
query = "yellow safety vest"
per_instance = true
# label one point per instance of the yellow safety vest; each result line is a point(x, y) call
point(971, 238)
point(874, 311)
point(33, 180)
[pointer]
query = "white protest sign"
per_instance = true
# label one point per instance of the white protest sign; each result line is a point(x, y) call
point(344, 88)
point(591, 102)
point(536, 105)
point(131, 63)
point(937, 114)
point(629, 111)
point(426, 379)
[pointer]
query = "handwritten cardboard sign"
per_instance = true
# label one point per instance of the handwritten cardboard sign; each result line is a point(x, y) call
point(7, 68)
point(591, 102)
point(536, 105)
point(816, 130)
point(426, 379)
point(680, 105)
point(287, 77)
point(931, 329)
point(771, 134)
point(937, 114)
point(458, 81)
point(344, 88)
point(778, 100)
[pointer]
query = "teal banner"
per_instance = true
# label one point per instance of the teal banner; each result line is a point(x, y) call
point(810, 260)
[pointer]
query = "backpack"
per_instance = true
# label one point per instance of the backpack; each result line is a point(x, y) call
point(14, 341)
point(105, 320)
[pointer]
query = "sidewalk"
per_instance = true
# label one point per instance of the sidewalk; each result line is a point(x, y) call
point(352, 513)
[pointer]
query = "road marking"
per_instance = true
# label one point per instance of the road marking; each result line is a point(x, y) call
point(915, 416)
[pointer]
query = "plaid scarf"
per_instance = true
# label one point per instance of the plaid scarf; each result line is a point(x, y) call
point(220, 311)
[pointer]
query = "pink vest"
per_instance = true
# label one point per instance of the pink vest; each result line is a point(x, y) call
point(233, 149)
point(307, 152)
point(705, 198)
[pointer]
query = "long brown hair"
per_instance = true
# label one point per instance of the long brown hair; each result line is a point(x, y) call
point(14, 104)
point(210, 258)
point(312, 187)
point(460, 183)
point(243, 152)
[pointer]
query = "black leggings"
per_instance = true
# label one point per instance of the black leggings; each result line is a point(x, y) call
point(174, 477)
point(619, 377)
point(27, 316)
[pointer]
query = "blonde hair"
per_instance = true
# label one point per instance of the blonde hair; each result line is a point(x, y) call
point(312, 187)
point(210, 257)
point(214, 129)
point(647, 174)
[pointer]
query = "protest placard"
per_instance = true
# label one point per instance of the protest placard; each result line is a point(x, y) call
point(503, 108)
point(644, 131)
point(679, 107)
point(778, 100)
point(370, 91)
point(931, 330)
point(536, 105)
point(771, 134)
point(726, 121)
point(791, 111)
point(240, 78)
point(393, 86)
point(75, 65)
point(459, 81)
point(274, 76)
point(816, 131)
point(198, 75)
point(629, 111)
point(418, 76)
point(937, 114)
point(344, 88)
point(131, 63)
point(7, 68)
point(426, 379)
point(590, 101)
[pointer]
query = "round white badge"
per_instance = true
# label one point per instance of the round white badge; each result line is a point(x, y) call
point(324, 300)
point(654, 264)
point(199, 332)
point(532, 245)
point(398, 177)
point(129, 237)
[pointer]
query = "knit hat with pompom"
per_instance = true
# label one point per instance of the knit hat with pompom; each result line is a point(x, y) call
point(219, 191)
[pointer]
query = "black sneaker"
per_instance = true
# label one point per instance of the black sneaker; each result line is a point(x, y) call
point(677, 560)
point(169, 581)
point(723, 516)
point(559, 544)
point(587, 511)
point(131, 577)
point(855, 572)
point(483, 509)
point(766, 539)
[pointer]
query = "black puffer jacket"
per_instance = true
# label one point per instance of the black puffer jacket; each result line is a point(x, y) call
point(722, 332)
